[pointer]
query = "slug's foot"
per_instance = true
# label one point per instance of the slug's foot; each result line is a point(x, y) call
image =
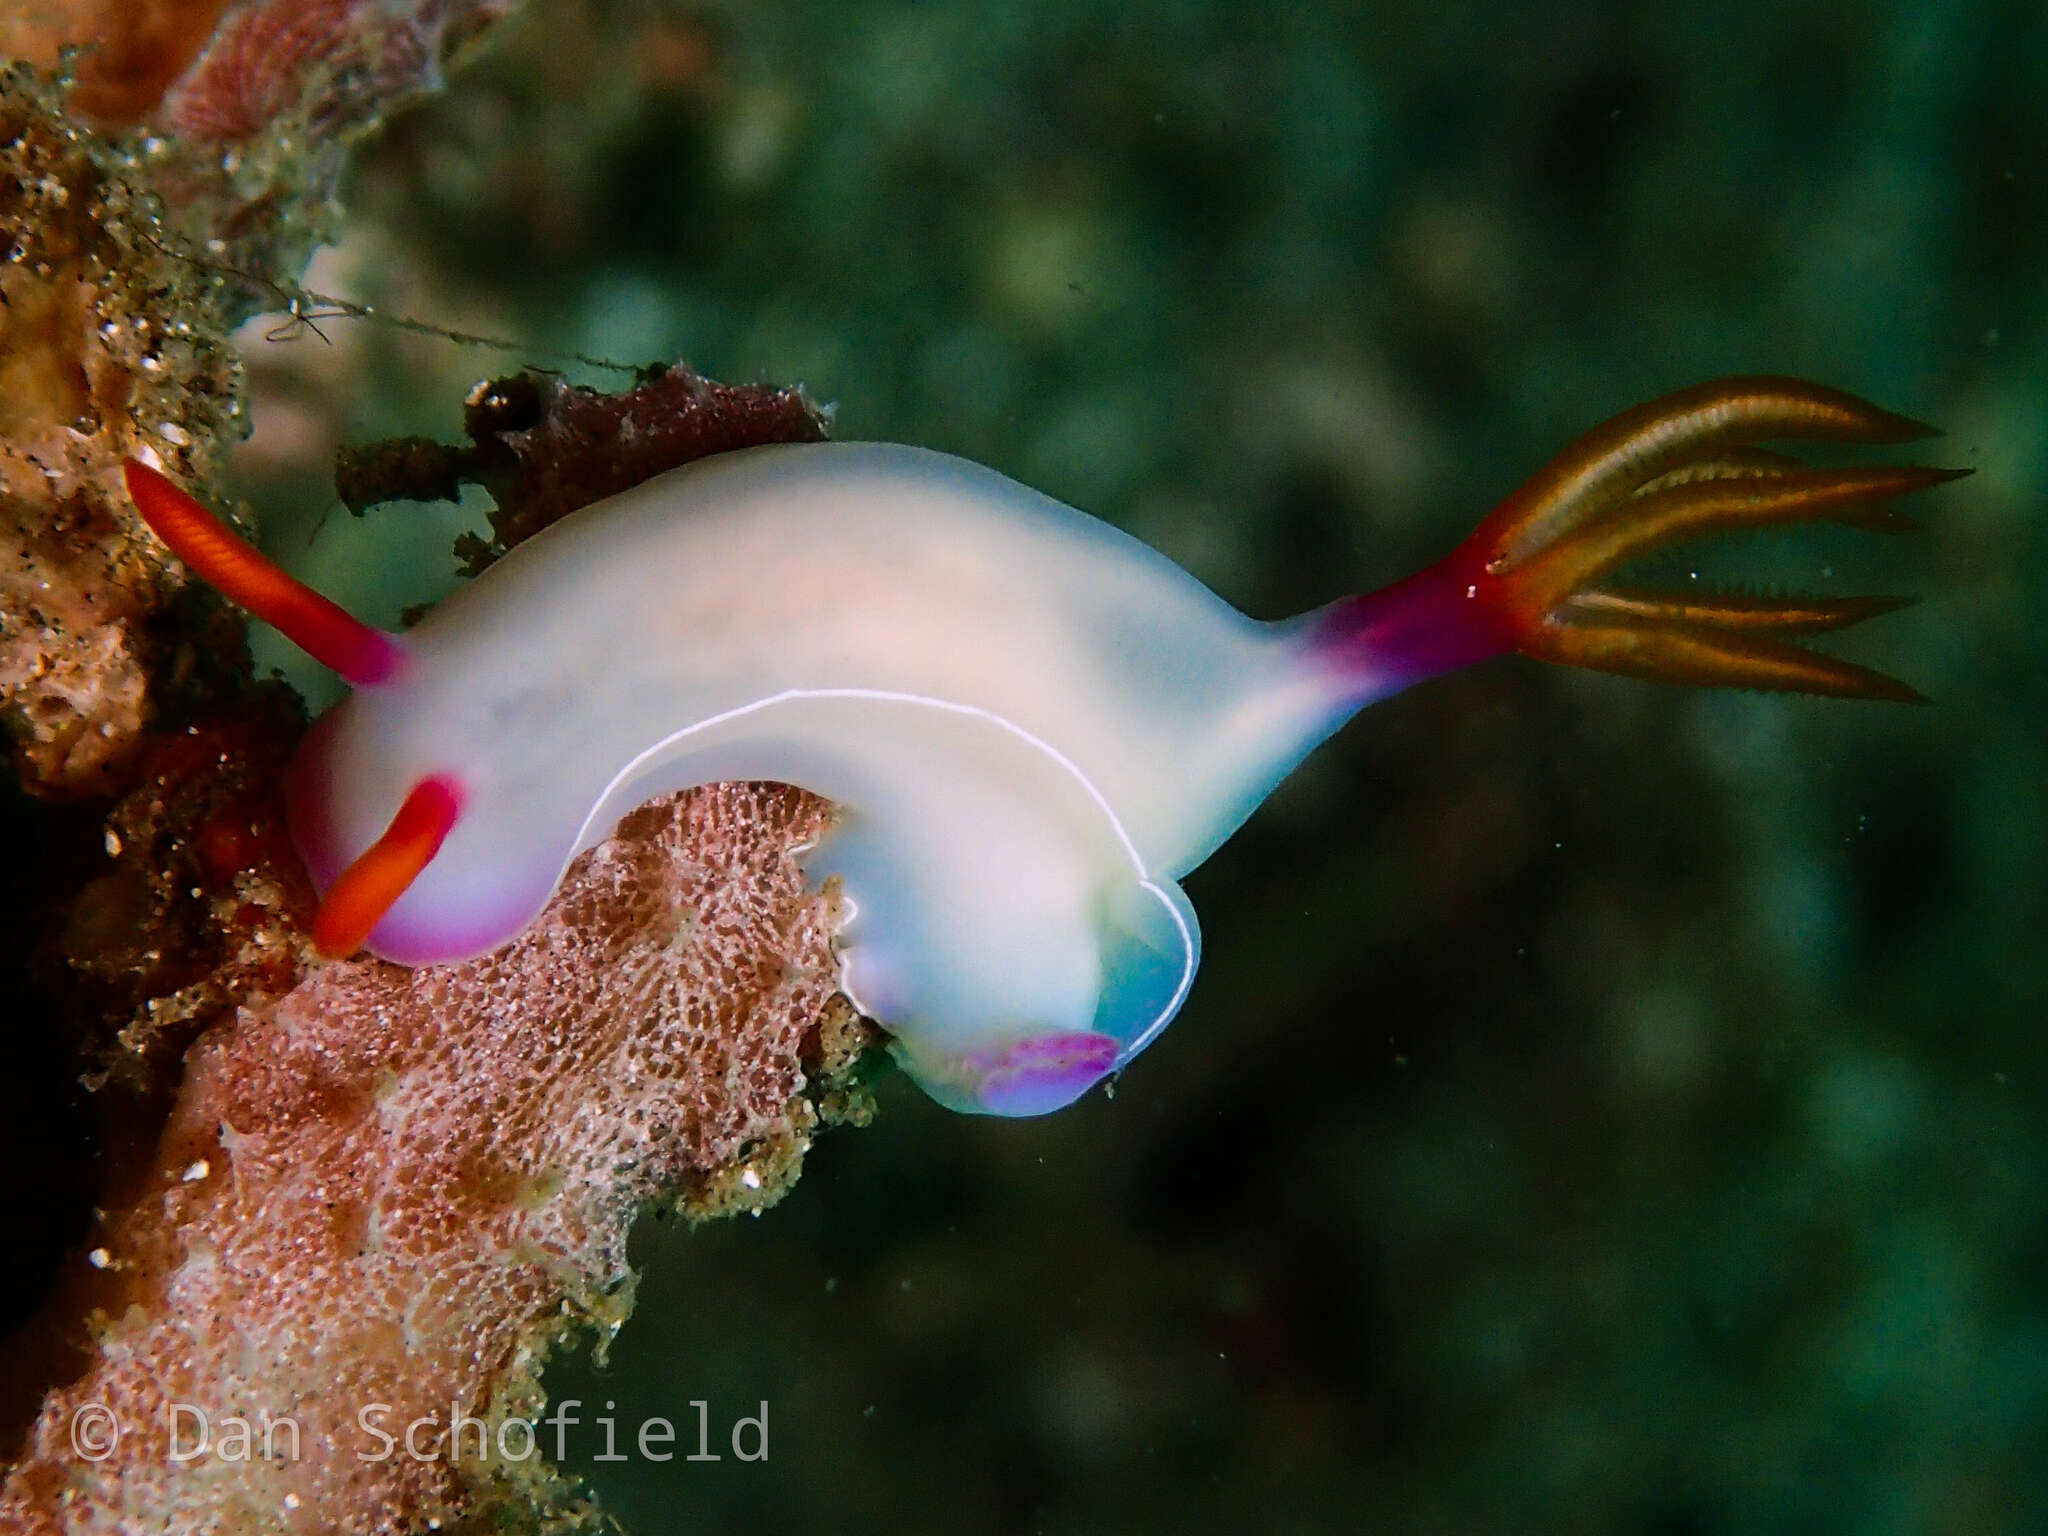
point(1532, 577)
point(1031, 1076)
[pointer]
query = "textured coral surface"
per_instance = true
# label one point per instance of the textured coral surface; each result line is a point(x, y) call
point(108, 344)
point(132, 49)
point(397, 1187)
point(1603, 1109)
point(377, 1192)
point(545, 447)
point(227, 71)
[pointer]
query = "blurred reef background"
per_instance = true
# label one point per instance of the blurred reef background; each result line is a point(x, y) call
point(1604, 1108)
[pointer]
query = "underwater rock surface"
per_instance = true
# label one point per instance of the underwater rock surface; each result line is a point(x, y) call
point(319, 1186)
point(403, 1187)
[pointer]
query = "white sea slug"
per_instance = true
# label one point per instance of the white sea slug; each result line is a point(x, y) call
point(1033, 724)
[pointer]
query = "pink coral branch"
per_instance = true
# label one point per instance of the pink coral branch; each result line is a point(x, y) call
point(336, 61)
point(397, 1187)
point(375, 1187)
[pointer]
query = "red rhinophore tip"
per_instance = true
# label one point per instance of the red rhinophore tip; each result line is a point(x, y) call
point(357, 902)
point(328, 633)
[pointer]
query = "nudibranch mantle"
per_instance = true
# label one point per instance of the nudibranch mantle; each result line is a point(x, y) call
point(1033, 724)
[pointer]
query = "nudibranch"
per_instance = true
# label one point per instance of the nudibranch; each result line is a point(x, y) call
point(1034, 725)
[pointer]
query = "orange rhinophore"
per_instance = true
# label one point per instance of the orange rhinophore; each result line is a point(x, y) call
point(355, 903)
point(366, 657)
point(328, 633)
point(1034, 724)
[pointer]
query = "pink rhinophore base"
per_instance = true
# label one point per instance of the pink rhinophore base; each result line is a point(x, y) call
point(372, 658)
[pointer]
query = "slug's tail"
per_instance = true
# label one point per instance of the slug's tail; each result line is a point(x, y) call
point(329, 634)
point(1533, 577)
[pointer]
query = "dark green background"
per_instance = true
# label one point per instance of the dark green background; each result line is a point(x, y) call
point(1605, 1107)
